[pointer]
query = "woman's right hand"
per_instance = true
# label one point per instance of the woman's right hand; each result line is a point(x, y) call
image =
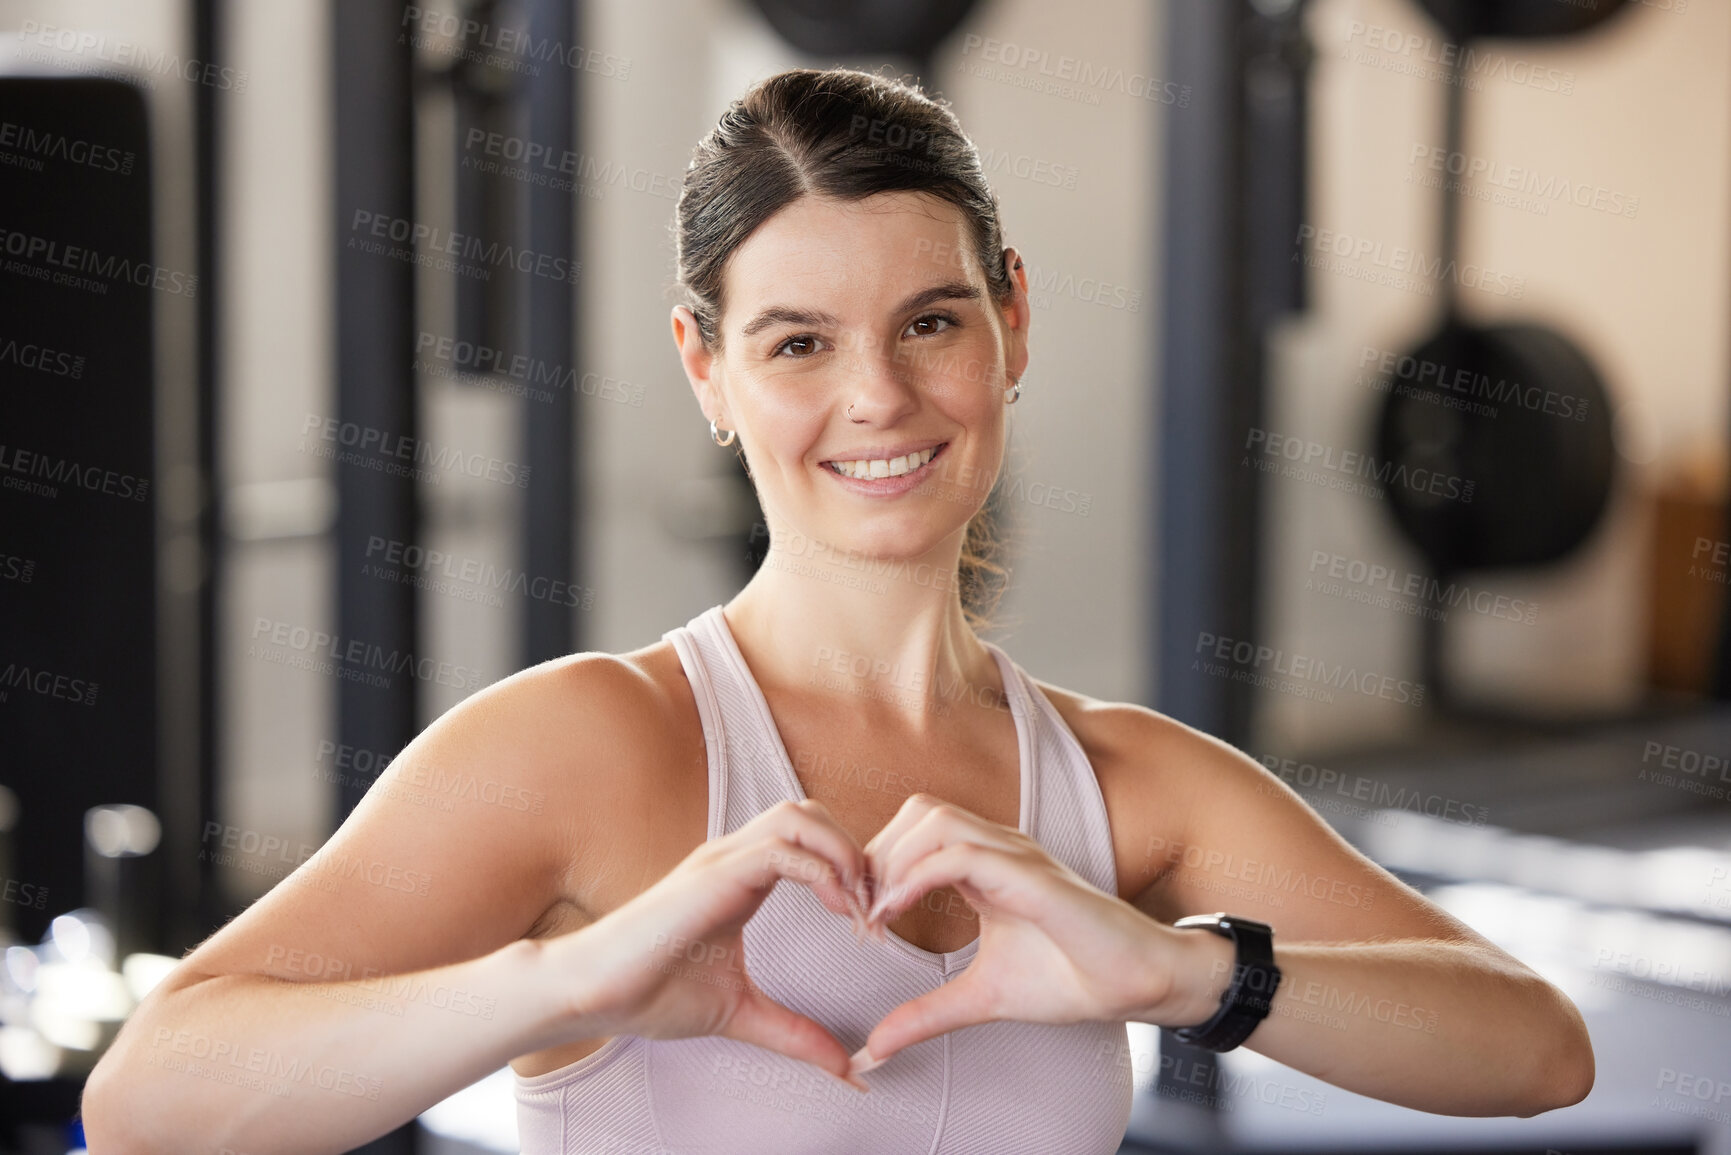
point(670, 963)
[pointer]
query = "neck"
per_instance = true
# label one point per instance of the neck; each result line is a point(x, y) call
point(885, 634)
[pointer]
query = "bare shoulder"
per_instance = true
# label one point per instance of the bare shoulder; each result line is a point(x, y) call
point(615, 742)
point(529, 808)
point(577, 687)
point(1114, 734)
point(570, 718)
point(1140, 753)
point(582, 730)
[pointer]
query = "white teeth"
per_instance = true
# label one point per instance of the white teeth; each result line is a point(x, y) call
point(884, 467)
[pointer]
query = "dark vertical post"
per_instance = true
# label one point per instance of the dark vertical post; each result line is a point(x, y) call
point(550, 428)
point(1433, 637)
point(1234, 174)
point(1719, 689)
point(1198, 537)
point(1200, 542)
point(484, 91)
point(375, 332)
point(189, 792)
point(1272, 67)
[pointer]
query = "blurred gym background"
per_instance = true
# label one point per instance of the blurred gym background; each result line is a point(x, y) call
point(1377, 423)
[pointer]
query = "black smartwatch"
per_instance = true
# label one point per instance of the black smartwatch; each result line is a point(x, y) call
point(1255, 978)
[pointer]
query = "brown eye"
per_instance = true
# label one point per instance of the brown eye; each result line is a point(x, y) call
point(803, 346)
point(929, 325)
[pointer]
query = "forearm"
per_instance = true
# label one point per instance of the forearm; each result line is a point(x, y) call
point(1438, 1026)
point(263, 1065)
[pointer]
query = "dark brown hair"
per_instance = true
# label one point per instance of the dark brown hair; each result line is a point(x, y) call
point(844, 134)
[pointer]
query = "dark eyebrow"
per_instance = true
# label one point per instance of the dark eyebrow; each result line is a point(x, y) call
point(781, 314)
point(948, 291)
point(784, 315)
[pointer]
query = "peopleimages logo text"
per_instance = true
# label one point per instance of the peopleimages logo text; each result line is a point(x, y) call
point(1353, 464)
point(1398, 259)
point(125, 54)
point(1475, 65)
point(1086, 76)
point(29, 463)
point(353, 653)
point(29, 248)
point(1468, 381)
point(463, 246)
point(386, 444)
point(1267, 661)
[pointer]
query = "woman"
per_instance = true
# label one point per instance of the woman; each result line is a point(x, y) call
point(984, 870)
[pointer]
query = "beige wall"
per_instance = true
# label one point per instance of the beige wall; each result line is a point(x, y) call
point(277, 362)
point(1644, 117)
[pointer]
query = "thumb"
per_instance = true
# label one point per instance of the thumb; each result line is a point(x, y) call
point(763, 1022)
point(959, 1003)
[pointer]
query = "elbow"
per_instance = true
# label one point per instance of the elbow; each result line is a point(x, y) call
point(1573, 1079)
point(119, 1116)
point(1565, 1071)
point(1564, 1089)
point(102, 1116)
point(121, 1110)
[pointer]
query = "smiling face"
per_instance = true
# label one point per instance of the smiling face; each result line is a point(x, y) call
point(878, 305)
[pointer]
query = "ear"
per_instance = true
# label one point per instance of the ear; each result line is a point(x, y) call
point(1017, 315)
point(698, 361)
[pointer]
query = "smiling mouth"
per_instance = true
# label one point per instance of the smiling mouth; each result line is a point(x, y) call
point(864, 470)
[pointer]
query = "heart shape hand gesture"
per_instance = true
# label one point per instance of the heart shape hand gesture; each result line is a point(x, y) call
point(1053, 948)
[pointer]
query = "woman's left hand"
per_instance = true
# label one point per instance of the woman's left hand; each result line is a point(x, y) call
point(1053, 947)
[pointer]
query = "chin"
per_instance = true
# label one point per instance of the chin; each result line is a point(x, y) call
point(894, 539)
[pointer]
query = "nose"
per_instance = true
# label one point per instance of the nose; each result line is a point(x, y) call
point(881, 388)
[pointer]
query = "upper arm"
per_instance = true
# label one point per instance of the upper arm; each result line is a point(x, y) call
point(480, 826)
point(1249, 844)
point(1200, 827)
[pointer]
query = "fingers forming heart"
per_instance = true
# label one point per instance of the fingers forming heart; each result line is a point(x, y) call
point(929, 844)
point(923, 827)
point(985, 876)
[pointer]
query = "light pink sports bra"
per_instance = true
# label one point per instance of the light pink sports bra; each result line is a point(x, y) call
point(991, 1089)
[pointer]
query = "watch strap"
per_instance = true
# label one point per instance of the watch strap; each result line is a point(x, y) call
point(1250, 994)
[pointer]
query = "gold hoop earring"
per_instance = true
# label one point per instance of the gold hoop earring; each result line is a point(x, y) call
point(715, 436)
